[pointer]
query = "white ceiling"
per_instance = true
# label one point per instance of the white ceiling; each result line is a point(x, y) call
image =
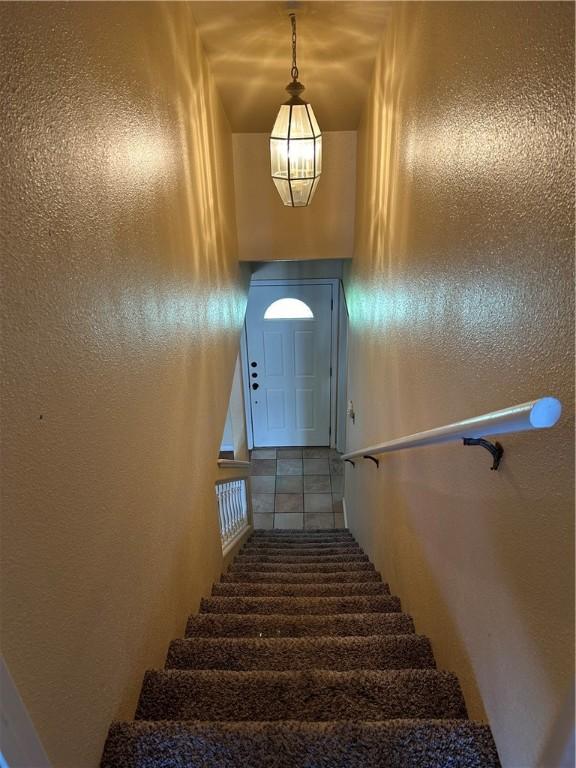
point(248, 45)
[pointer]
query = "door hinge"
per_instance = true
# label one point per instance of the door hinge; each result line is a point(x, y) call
point(331, 303)
point(330, 370)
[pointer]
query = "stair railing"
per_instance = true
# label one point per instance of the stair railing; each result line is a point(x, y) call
point(536, 414)
point(234, 507)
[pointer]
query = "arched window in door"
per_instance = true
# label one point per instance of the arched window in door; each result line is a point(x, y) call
point(288, 309)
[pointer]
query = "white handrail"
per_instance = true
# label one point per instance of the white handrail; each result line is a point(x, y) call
point(233, 464)
point(537, 414)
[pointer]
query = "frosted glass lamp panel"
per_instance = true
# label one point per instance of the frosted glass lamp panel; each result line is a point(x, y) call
point(313, 121)
point(318, 155)
point(279, 157)
point(314, 187)
point(301, 154)
point(283, 188)
point(280, 129)
point(301, 191)
point(300, 127)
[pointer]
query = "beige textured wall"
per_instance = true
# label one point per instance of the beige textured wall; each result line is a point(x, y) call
point(460, 299)
point(268, 230)
point(122, 302)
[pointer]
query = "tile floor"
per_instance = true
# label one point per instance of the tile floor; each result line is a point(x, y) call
point(297, 488)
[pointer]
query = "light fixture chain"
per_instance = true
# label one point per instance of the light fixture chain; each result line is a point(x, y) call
point(294, 70)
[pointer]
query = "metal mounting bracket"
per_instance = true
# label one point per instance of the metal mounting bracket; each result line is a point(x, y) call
point(372, 459)
point(350, 462)
point(495, 449)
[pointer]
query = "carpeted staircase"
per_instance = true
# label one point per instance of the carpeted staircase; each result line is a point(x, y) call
point(300, 659)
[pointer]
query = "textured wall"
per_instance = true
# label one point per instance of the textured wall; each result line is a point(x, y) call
point(269, 230)
point(460, 298)
point(122, 301)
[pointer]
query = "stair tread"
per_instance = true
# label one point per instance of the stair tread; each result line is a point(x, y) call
point(349, 557)
point(408, 651)
point(280, 577)
point(284, 539)
point(262, 546)
point(312, 566)
point(307, 532)
point(401, 743)
point(300, 550)
point(301, 605)
point(308, 695)
point(263, 589)
point(282, 625)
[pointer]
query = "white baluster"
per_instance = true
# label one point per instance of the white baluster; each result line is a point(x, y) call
point(225, 513)
point(244, 502)
point(234, 510)
point(238, 505)
point(230, 512)
point(220, 509)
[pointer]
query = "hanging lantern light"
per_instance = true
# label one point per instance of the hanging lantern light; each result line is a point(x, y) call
point(296, 143)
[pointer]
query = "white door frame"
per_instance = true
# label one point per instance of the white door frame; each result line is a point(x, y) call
point(333, 360)
point(342, 373)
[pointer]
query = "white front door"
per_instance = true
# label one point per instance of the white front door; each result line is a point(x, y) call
point(289, 339)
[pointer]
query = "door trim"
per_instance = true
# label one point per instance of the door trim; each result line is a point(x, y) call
point(335, 284)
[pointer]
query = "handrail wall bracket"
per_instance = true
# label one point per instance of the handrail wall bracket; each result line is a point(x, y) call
point(495, 449)
point(350, 462)
point(372, 458)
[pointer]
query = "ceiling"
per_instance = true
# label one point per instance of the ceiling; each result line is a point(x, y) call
point(248, 45)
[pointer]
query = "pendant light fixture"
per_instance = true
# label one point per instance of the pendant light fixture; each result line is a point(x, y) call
point(296, 143)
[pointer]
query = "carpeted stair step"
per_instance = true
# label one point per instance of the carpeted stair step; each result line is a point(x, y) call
point(306, 546)
point(281, 625)
point(311, 695)
point(265, 533)
point(301, 605)
point(301, 550)
point(293, 744)
point(344, 589)
point(301, 653)
point(327, 533)
point(309, 558)
point(282, 577)
point(261, 540)
point(306, 567)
